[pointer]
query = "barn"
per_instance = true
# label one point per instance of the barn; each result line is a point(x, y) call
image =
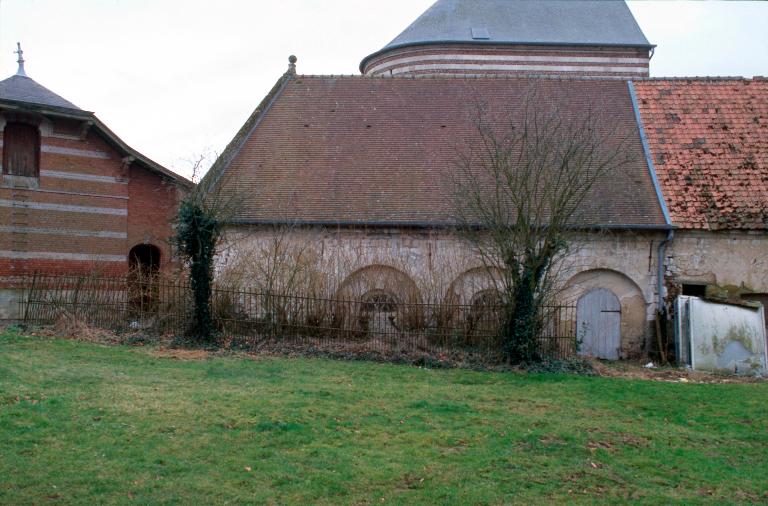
point(357, 166)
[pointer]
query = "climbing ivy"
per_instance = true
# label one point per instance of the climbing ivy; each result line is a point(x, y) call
point(198, 229)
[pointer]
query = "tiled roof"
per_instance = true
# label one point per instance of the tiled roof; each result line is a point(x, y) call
point(359, 150)
point(709, 143)
point(20, 89)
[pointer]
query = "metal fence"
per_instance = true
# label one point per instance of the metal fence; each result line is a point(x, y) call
point(379, 323)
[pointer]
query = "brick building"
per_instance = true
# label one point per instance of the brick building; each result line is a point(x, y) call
point(361, 165)
point(74, 198)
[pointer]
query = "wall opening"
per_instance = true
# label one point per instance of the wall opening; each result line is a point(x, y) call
point(694, 289)
point(144, 268)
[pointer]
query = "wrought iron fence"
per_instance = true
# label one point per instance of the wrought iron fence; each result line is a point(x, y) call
point(379, 324)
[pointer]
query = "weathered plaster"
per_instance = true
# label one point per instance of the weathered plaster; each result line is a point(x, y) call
point(441, 265)
point(728, 258)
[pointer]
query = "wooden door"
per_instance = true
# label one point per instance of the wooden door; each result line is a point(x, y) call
point(598, 316)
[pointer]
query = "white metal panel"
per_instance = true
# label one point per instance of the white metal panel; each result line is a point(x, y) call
point(726, 338)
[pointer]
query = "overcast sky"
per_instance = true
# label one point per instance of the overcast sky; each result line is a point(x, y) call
point(177, 78)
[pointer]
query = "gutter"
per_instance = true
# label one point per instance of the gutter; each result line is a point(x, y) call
point(419, 224)
point(661, 255)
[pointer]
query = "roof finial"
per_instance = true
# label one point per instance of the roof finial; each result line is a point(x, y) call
point(292, 64)
point(20, 61)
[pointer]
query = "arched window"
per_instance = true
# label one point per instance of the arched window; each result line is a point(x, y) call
point(21, 150)
point(379, 300)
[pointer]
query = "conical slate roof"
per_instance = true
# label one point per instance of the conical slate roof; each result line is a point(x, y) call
point(21, 88)
point(527, 22)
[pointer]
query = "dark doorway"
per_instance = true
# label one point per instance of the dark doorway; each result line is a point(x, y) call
point(144, 265)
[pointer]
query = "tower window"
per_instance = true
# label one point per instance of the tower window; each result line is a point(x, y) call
point(21, 150)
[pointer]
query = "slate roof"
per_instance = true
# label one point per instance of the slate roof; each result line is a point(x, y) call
point(25, 89)
point(709, 143)
point(22, 92)
point(381, 151)
point(528, 22)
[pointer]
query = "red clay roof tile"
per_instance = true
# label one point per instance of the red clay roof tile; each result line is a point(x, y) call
point(709, 142)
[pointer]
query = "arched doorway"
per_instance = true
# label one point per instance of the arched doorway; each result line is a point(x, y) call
point(598, 316)
point(144, 267)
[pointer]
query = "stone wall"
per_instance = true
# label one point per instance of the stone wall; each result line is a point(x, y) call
point(440, 265)
point(736, 261)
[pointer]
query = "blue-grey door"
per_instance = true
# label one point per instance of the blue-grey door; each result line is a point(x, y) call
point(598, 316)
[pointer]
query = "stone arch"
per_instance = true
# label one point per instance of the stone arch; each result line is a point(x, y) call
point(380, 293)
point(470, 307)
point(634, 323)
point(467, 285)
point(379, 278)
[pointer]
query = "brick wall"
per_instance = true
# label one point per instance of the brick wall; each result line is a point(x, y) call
point(152, 205)
point(86, 210)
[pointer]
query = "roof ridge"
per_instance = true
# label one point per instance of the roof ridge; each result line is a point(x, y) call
point(702, 78)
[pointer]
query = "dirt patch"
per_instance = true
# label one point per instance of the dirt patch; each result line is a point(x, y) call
point(636, 370)
point(180, 354)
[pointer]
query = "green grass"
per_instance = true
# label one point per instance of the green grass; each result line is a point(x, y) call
point(81, 423)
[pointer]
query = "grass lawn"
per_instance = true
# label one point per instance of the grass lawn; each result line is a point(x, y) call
point(81, 423)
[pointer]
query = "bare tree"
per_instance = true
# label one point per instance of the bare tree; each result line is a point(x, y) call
point(521, 189)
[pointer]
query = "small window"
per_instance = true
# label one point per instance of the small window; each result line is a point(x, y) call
point(21, 150)
point(695, 290)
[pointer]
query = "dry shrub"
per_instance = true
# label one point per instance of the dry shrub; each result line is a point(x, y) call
point(73, 326)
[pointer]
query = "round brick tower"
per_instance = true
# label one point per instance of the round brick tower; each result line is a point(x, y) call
point(528, 37)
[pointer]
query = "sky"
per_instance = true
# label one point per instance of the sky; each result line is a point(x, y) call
point(176, 79)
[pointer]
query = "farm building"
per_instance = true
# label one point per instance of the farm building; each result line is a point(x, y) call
point(360, 166)
point(74, 198)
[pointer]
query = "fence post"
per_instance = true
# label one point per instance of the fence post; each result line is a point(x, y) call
point(28, 296)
